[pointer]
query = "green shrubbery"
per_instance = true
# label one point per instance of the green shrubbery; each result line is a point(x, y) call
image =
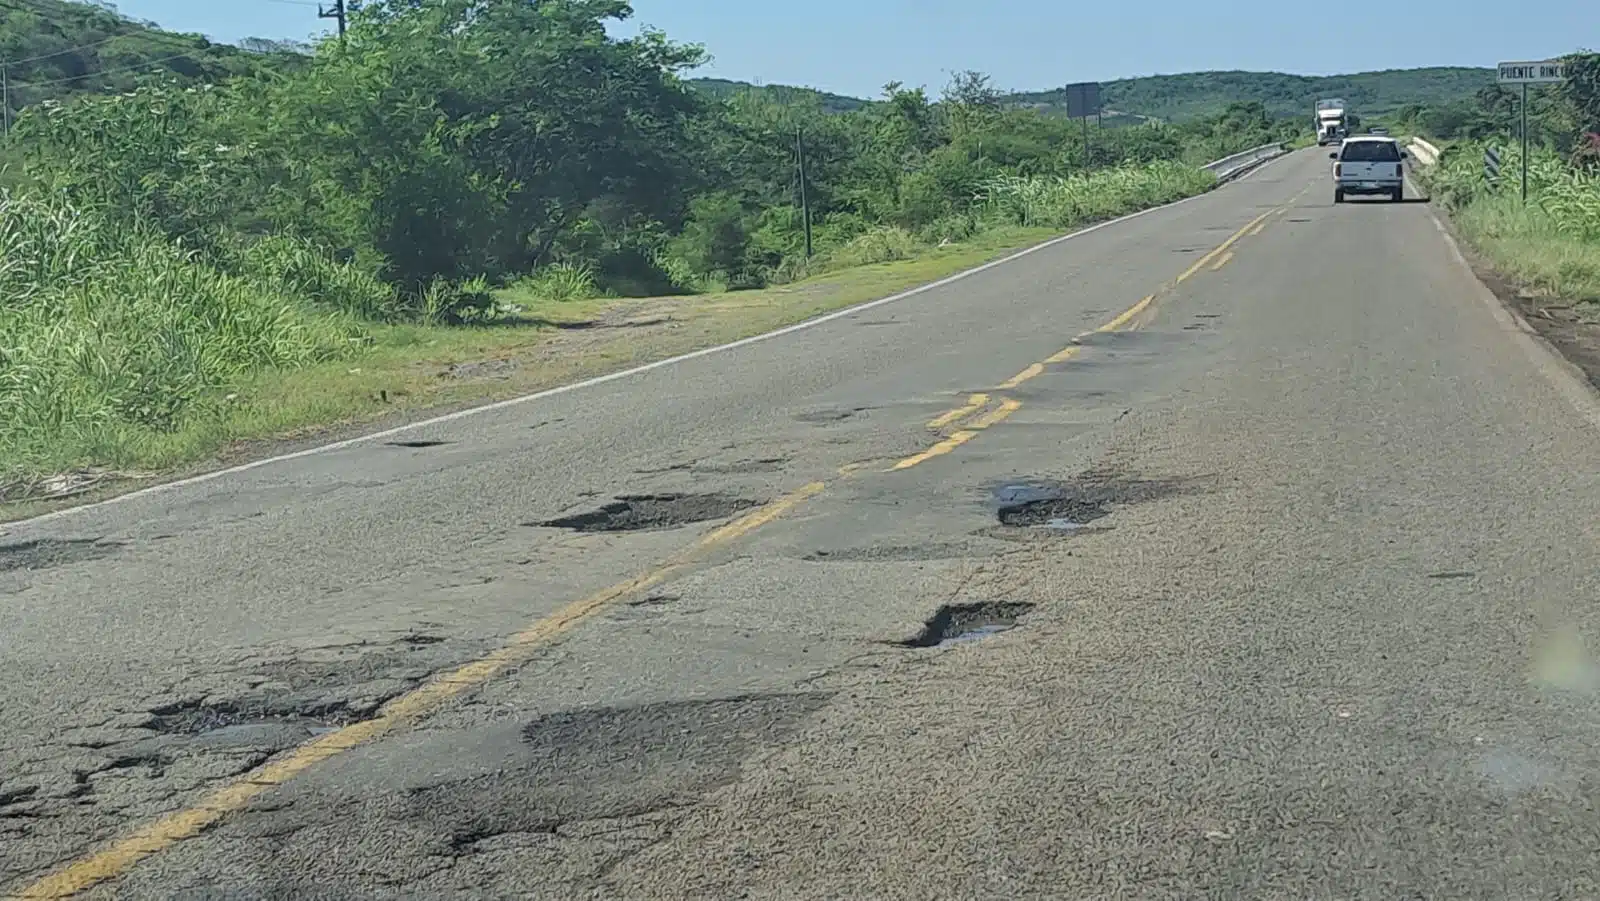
point(162, 244)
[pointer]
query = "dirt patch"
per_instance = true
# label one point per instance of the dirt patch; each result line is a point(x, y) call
point(960, 623)
point(633, 513)
point(482, 369)
point(49, 553)
point(1574, 329)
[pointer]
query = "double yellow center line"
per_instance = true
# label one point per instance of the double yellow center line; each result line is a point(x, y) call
point(1216, 259)
point(121, 855)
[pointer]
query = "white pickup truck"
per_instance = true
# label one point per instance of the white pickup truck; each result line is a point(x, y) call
point(1369, 164)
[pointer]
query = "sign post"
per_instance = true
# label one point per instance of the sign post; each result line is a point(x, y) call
point(1083, 101)
point(1491, 165)
point(1549, 71)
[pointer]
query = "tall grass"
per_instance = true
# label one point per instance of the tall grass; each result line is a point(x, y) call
point(1100, 194)
point(1552, 243)
point(111, 337)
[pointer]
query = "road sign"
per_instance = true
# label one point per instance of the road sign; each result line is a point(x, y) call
point(1526, 74)
point(1491, 164)
point(1547, 71)
point(1083, 100)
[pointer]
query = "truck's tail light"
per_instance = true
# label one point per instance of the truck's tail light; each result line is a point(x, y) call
point(1337, 169)
point(1399, 170)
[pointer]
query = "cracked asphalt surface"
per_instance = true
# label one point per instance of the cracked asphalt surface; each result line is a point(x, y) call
point(1308, 610)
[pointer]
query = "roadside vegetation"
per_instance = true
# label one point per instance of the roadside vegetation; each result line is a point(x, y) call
point(191, 260)
point(1551, 245)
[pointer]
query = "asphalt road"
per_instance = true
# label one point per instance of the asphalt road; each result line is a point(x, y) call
point(1300, 554)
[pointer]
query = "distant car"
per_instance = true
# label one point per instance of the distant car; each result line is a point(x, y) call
point(1369, 164)
point(1377, 130)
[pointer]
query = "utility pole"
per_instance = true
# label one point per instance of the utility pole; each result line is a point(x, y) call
point(805, 201)
point(338, 12)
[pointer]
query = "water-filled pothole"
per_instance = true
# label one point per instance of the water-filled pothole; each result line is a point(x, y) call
point(961, 623)
point(637, 512)
point(1053, 512)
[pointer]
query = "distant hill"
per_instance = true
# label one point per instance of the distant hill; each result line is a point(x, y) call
point(722, 88)
point(1198, 94)
point(56, 48)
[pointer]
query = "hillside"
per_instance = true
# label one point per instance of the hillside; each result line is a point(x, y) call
point(56, 48)
point(722, 88)
point(1200, 94)
point(1196, 94)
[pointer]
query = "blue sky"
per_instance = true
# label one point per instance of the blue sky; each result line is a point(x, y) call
point(856, 46)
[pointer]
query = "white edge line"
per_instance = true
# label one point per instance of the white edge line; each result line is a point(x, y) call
point(6, 528)
point(1565, 376)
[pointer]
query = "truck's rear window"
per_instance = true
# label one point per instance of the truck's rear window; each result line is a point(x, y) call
point(1371, 152)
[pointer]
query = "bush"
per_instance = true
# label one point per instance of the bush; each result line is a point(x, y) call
point(714, 239)
point(560, 282)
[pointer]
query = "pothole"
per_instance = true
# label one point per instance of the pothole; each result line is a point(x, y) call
point(200, 718)
point(49, 552)
point(1065, 513)
point(833, 415)
point(632, 513)
point(419, 443)
point(1068, 506)
point(961, 623)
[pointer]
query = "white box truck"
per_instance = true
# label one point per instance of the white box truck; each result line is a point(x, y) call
point(1332, 124)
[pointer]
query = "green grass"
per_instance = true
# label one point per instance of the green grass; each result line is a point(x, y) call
point(121, 350)
point(1550, 244)
point(1528, 244)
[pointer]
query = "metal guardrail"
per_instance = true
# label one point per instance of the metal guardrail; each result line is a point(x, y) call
point(1424, 152)
point(1229, 166)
